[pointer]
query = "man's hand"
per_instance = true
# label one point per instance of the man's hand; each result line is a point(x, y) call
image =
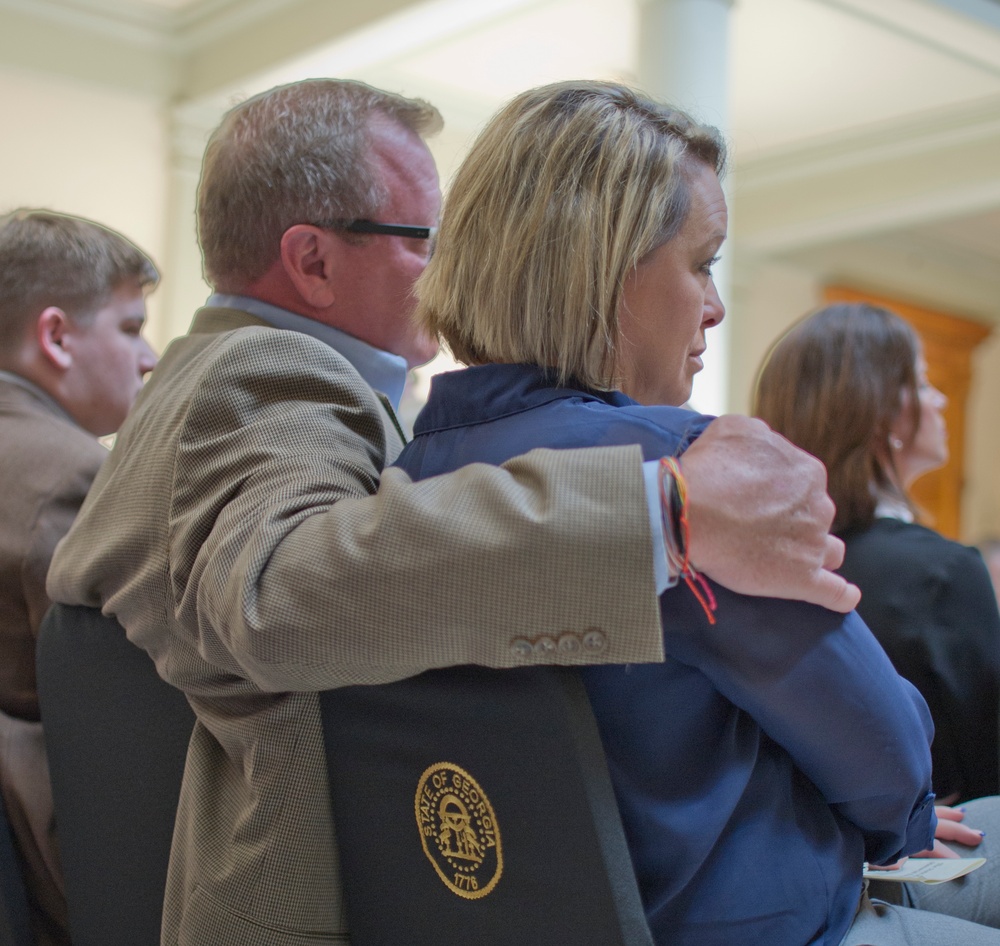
point(760, 516)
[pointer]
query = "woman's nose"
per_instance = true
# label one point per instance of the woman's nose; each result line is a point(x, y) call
point(715, 311)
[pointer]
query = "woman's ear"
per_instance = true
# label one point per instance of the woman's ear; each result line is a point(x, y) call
point(901, 430)
point(51, 332)
point(309, 256)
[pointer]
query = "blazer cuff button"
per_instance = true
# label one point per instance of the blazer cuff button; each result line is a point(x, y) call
point(594, 641)
point(544, 646)
point(520, 647)
point(569, 644)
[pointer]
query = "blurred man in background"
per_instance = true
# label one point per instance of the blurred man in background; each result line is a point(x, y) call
point(72, 361)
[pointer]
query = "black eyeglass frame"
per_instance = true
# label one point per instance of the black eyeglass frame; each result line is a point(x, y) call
point(382, 229)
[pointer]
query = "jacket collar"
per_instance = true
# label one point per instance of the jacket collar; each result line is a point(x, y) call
point(487, 392)
point(35, 393)
point(383, 371)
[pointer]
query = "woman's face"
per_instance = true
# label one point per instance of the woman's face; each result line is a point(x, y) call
point(669, 300)
point(928, 449)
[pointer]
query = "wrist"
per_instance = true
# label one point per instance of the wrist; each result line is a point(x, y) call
point(677, 534)
point(671, 508)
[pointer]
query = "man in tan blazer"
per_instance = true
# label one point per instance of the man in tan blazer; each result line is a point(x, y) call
point(72, 360)
point(230, 533)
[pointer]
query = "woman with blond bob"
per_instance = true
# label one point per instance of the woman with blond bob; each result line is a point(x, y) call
point(775, 748)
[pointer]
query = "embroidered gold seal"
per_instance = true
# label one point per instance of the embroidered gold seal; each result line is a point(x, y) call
point(458, 830)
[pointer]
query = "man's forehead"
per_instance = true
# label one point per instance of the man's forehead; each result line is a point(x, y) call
point(399, 152)
point(127, 300)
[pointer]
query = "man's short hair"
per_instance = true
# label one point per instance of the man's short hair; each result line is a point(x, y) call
point(298, 153)
point(54, 259)
point(565, 191)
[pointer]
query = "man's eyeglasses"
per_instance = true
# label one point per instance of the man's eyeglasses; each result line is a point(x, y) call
point(382, 229)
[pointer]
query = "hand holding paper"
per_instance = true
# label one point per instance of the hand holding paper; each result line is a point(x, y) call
point(925, 870)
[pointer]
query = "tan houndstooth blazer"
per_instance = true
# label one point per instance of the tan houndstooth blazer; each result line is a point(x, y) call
point(227, 534)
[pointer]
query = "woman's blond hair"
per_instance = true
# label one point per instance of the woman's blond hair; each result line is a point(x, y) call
point(568, 187)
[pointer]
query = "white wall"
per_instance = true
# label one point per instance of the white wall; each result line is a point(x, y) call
point(981, 495)
point(85, 149)
point(767, 297)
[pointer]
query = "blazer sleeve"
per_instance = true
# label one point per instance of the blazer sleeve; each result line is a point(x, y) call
point(297, 579)
point(819, 684)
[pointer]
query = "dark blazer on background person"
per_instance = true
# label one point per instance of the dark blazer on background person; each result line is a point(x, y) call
point(234, 556)
point(931, 604)
point(47, 463)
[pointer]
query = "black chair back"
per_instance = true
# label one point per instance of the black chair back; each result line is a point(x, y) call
point(474, 806)
point(117, 738)
point(15, 927)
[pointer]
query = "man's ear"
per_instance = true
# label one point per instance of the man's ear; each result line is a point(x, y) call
point(51, 333)
point(309, 256)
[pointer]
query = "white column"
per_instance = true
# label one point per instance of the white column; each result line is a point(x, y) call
point(684, 60)
point(183, 288)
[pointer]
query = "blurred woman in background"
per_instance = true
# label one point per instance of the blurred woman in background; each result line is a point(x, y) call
point(849, 384)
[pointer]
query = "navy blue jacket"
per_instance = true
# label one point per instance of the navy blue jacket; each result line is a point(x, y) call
point(769, 755)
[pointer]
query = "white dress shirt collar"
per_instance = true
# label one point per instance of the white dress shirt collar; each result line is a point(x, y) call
point(382, 370)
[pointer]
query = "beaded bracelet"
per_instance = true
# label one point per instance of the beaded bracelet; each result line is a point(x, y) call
point(670, 509)
point(677, 534)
